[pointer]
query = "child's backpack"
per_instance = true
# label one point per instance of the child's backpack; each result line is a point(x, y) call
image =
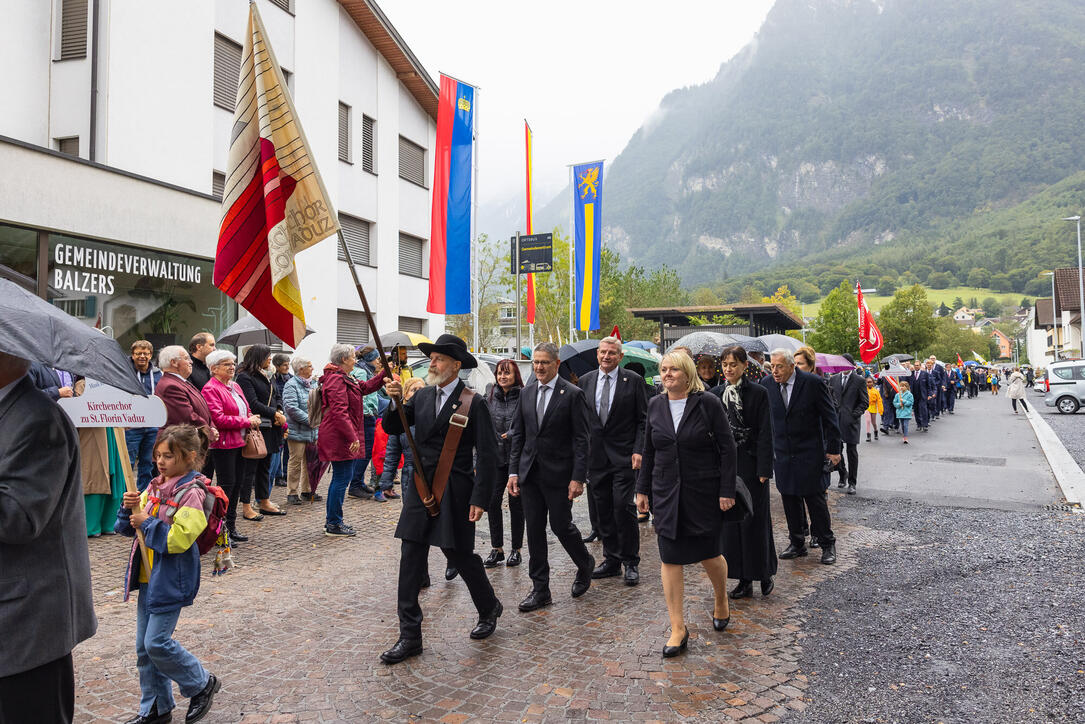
point(215, 503)
point(315, 405)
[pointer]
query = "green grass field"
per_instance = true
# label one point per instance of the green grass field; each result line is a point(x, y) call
point(935, 296)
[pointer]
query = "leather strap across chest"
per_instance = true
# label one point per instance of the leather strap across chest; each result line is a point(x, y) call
point(456, 425)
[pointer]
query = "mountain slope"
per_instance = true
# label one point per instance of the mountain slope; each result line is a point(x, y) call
point(848, 124)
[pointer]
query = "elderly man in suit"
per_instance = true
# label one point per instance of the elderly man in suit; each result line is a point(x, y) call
point(184, 403)
point(434, 411)
point(548, 462)
point(45, 595)
point(617, 403)
point(805, 433)
point(851, 400)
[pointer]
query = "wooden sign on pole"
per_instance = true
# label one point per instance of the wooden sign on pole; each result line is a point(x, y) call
point(130, 486)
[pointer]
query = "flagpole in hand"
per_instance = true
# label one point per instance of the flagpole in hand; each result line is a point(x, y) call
point(130, 486)
point(425, 490)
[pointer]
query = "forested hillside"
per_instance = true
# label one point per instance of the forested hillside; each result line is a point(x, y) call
point(889, 140)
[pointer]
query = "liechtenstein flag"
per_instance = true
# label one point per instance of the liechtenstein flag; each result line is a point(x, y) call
point(450, 225)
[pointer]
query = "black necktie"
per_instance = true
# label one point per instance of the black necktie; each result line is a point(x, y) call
point(783, 393)
point(604, 402)
point(540, 410)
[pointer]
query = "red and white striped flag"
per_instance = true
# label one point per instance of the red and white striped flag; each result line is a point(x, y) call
point(870, 337)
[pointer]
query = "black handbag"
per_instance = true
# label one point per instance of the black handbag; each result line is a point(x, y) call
point(743, 507)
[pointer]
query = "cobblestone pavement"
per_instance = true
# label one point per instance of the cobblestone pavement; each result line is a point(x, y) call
point(295, 631)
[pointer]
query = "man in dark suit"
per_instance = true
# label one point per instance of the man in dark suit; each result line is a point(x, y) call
point(548, 462)
point(805, 433)
point(432, 411)
point(921, 390)
point(851, 400)
point(184, 403)
point(199, 347)
point(617, 400)
point(45, 594)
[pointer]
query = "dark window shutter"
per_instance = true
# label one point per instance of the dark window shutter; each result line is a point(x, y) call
point(368, 128)
point(410, 255)
point(344, 132)
point(351, 328)
point(69, 146)
point(356, 234)
point(218, 184)
point(284, 4)
point(227, 71)
point(411, 324)
point(73, 29)
point(412, 162)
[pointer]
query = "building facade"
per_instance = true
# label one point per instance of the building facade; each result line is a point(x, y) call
point(113, 149)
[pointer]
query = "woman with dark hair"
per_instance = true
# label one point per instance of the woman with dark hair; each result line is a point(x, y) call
point(279, 461)
point(504, 402)
point(253, 375)
point(748, 545)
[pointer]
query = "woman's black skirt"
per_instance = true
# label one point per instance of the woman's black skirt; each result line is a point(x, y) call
point(689, 549)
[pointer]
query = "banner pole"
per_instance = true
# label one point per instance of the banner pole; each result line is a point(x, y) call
point(425, 488)
point(572, 261)
point(474, 233)
point(516, 266)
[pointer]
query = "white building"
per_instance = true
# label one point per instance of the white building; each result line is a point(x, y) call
point(114, 139)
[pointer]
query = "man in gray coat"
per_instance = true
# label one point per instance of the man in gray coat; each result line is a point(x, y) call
point(851, 400)
point(45, 595)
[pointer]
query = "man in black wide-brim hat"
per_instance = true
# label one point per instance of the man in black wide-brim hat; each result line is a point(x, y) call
point(432, 411)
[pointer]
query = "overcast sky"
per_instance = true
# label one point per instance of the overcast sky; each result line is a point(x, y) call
point(586, 74)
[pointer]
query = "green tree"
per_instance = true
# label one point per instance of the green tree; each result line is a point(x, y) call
point(991, 307)
point(836, 328)
point(703, 297)
point(783, 296)
point(631, 286)
point(1025, 302)
point(906, 321)
point(944, 311)
point(750, 295)
point(950, 339)
point(887, 285)
point(806, 292)
point(939, 280)
point(1001, 282)
point(973, 303)
point(957, 303)
point(979, 277)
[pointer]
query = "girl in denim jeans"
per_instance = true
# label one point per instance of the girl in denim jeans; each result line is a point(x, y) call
point(902, 403)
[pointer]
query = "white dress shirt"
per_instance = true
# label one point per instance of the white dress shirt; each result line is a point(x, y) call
point(790, 386)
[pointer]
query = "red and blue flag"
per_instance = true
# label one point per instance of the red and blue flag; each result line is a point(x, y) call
point(450, 224)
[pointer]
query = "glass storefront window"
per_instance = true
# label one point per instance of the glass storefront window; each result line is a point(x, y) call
point(19, 256)
point(136, 293)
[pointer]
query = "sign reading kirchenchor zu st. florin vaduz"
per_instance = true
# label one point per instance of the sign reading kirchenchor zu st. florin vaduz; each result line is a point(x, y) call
point(92, 271)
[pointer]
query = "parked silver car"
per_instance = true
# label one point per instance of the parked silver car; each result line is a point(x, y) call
point(1065, 385)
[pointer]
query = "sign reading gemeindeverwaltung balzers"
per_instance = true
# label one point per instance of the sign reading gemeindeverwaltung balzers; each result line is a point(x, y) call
point(93, 271)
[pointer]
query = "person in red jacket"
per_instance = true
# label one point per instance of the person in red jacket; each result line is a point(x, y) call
point(341, 439)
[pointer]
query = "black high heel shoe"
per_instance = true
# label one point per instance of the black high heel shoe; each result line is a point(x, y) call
point(669, 652)
point(720, 624)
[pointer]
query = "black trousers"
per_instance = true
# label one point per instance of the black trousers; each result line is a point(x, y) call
point(1014, 403)
point(593, 512)
point(820, 523)
point(541, 501)
point(413, 566)
point(616, 514)
point(495, 517)
point(257, 471)
point(42, 694)
point(230, 471)
point(849, 463)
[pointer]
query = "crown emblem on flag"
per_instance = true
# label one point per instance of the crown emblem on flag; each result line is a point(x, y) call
point(464, 105)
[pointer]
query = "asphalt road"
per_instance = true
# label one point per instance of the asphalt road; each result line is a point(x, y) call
point(1069, 428)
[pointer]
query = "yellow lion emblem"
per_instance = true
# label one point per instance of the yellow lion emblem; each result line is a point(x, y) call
point(589, 183)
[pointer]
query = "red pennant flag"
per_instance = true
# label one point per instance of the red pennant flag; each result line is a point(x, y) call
point(870, 337)
point(530, 229)
point(616, 333)
point(959, 362)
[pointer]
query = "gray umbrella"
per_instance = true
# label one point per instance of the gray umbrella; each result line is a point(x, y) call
point(710, 343)
point(34, 329)
point(780, 341)
point(751, 344)
point(899, 357)
point(250, 330)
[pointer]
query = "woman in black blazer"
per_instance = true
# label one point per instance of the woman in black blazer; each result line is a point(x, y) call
point(689, 467)
point(748, 545)
point(264, 400)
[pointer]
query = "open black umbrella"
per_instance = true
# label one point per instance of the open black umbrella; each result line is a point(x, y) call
point(34, 329)
point(580, 357)
point(751, 344)
point(710, 343)
point(899, 357)
point(250, 330)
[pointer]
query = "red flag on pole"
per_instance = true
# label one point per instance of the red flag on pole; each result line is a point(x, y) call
point(870, 337)
point(530, 277)
point(960, 363)
point(616, 333)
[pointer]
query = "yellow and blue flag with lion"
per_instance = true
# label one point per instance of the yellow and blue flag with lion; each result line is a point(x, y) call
point(588, 241)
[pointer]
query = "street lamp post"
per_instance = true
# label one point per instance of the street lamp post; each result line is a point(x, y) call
point(1080, 285)
point(1054, 327)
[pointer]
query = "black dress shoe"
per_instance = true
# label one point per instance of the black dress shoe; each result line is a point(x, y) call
point(793, 551)
point(425, 581)
point(403, 650)
point(720, 624)
point(152, 717)
point(669, 652)
point(451, 573)
point(488, 623)
point(767, 585)
point(582, 582)
point(632, 575)
point(535, 600)
point(236, 537)
point(607, 569)
point(642, 517)
point(841, 484)
point(592, 537)
point(515, 559)
point(494, 558)
point(851, 490)
point(828, 554)
point(744, 589)
point(199, 705)
point(814, 543)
